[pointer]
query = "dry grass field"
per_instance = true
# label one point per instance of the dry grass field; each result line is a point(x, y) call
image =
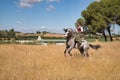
point(39, 62)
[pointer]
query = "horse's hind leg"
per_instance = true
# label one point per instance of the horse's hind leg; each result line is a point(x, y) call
point(86, 52)
point(82, 51)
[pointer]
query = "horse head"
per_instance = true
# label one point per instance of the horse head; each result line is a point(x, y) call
point(68, 32)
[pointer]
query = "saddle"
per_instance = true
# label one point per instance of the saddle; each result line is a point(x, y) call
point(79, 36)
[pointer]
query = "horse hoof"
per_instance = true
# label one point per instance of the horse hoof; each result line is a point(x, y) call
point(65, 56)
point(70, 54)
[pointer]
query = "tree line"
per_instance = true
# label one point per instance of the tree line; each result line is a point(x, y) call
point(99, 16)
point(10, 34)
point(7, 33)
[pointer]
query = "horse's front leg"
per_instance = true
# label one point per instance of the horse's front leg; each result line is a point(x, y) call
point(66, 50)
point(69, 50)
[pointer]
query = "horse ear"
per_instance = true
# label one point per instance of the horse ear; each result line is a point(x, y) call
point(65, 29)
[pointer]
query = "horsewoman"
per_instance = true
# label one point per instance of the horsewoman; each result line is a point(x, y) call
point(79, 34)
point(79, 28)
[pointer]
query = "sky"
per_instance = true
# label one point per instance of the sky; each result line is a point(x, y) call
point(41, 15)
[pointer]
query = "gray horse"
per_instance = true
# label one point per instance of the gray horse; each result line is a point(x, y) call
point(82, 45)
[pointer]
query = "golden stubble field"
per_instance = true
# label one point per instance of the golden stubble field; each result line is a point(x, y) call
point(39, 62)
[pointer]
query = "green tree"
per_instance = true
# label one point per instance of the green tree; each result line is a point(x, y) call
point(81, 21)
point(99, 15)
point(11, 33)
point(4, 34)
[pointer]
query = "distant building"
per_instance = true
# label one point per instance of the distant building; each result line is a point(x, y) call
point(39, 38)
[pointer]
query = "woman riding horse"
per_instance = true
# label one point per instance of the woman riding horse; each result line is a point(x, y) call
point(71, 41)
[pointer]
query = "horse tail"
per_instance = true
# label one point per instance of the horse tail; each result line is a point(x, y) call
point(95, 46)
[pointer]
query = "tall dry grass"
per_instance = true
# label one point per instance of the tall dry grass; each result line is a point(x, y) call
point(38, 62)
